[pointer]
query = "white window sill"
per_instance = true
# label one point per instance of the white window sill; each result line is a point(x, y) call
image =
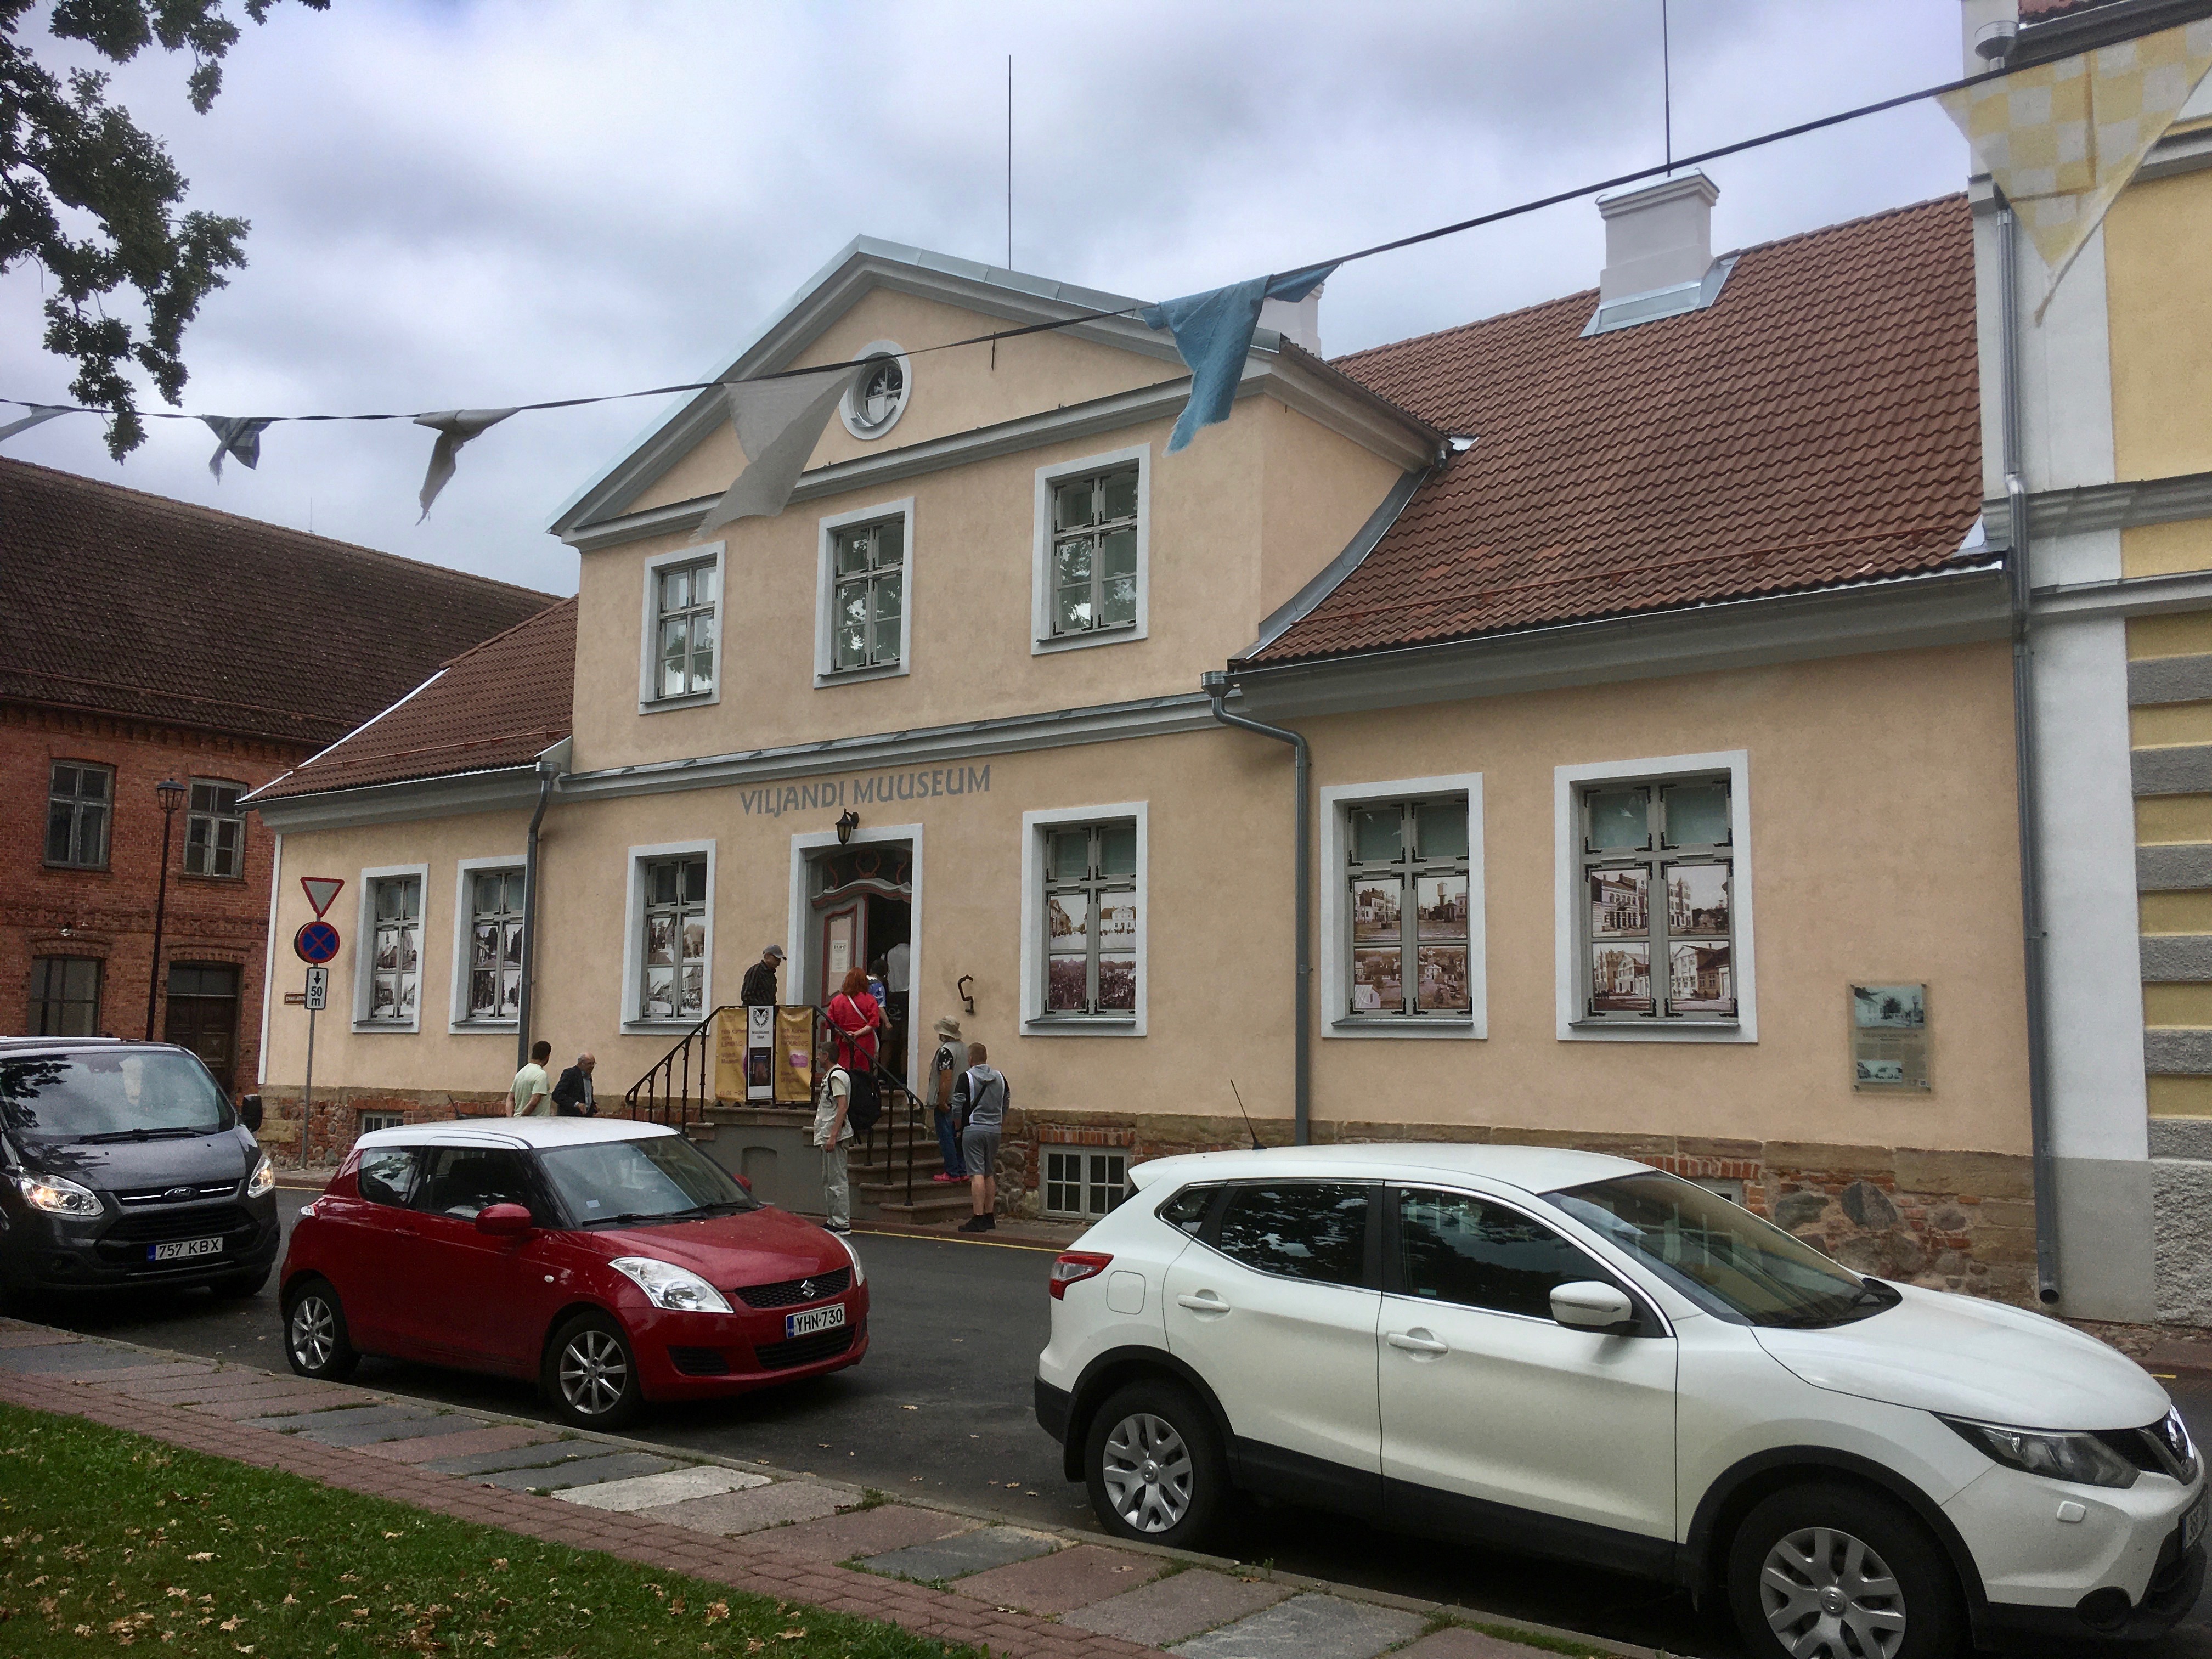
point(882, 670)
point(483, 1027)
point(1654, 1030)
point(1116, 635)
point(392, 1027)
point(653, 1027)
point(666, 705)
point(1404, 1026)
point(1082, 1025)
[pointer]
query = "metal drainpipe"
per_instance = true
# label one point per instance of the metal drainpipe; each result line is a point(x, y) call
point(1216, 686)
point(2024, 766)
point(546, 775)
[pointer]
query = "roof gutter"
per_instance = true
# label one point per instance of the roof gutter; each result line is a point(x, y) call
point(1216, 684)
point(549, 766)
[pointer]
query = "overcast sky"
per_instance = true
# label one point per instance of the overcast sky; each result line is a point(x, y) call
point(474, 204)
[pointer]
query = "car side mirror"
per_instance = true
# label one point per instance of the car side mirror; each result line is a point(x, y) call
point(1589, 1305)
point(743, 1182)
point(249, 1112)
point(503, 1220)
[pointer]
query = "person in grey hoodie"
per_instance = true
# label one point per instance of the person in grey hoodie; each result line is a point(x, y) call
point(979, 1100)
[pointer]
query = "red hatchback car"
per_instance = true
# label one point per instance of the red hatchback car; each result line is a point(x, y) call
point(612, 1262)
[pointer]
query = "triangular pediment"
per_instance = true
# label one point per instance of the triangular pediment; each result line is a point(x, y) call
point(875, 291)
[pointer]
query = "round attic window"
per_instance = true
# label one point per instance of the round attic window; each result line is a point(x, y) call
point(879, 397)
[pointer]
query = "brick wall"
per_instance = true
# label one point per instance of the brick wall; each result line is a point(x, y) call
point(108, 915)
point(321, 1138)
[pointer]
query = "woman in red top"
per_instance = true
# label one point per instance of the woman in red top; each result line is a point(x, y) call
point(858, 1017)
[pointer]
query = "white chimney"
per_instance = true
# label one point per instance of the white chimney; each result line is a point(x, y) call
point(1299, 322)
point(1658, 237)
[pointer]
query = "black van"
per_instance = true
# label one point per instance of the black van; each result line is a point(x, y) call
point(124, 1165)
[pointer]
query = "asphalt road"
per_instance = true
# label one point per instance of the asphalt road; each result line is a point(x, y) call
point(941, 1406)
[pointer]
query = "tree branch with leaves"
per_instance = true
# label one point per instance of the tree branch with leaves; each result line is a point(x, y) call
point(68, 155)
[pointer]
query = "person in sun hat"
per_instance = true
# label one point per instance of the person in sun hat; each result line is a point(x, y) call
point(946, 1064)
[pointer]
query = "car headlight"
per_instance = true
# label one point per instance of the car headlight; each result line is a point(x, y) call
point(860, 1273)
point(2082, 1458)
point(56, 1196)
point(262, 1178)
point(667, 1285)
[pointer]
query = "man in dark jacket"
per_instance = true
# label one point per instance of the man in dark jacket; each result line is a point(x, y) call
point(759, 990)
point(573, 1095)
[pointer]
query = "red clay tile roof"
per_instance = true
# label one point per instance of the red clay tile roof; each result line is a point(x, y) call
point(1819, 424)
point(502, 703)
point(134, 605)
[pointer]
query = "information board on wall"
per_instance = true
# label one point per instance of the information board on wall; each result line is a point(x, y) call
point(1889, 1039)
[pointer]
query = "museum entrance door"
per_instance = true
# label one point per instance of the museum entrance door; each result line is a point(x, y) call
point(861, 902)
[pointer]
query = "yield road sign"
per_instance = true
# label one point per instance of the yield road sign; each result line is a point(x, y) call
point(316, 941)
point(320, 890)
point(319, 989)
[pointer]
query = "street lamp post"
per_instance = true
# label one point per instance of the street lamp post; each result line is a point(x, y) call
point(171, 794)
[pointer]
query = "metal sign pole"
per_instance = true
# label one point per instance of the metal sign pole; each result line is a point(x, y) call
point(307, 1090)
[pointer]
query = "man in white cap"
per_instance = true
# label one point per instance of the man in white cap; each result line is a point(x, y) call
point(759, 990)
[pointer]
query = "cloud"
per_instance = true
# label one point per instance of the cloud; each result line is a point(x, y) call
point(471, 205)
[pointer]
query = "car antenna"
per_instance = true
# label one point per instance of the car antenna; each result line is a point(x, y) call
point(1246, 1116)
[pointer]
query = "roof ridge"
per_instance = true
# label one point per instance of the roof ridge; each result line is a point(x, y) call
point(1579, 293)
point(152, 501)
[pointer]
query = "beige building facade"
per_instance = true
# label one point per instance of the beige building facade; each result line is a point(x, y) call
point(1647, 773)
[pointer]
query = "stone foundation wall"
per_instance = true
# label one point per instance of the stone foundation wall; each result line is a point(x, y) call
point(321, 1139)
point(1951, 1221)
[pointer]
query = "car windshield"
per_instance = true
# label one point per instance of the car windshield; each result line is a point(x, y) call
point(128, 1094)
point(1720, 1255)
point(659, 1178)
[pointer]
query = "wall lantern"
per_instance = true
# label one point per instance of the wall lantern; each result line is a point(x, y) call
point(846, 825)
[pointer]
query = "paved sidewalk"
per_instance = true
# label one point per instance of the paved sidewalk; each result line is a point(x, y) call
point(1024, 1593)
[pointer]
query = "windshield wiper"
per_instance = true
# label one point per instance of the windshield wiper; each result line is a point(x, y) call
point(691, 1214)
point(144, 1135)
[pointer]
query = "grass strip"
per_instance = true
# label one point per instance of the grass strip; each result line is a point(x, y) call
point(109, 1539)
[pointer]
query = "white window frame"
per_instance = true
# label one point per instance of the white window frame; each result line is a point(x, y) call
point(847, 405)
point(648, 629)
point(1049, 1151)
point(364, 948)
point(1035, 1021)
point(1337, 800)
point(633, 976)
point(1042, 641)
point(1567, 872)
point(826, 673)
point(466, 872)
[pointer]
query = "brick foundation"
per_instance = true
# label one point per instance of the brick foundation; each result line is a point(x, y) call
point(322, 1140)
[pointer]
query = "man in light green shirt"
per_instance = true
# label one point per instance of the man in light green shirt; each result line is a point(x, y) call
point(532, 1093)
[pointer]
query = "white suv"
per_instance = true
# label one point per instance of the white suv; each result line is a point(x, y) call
point(1578, 1355)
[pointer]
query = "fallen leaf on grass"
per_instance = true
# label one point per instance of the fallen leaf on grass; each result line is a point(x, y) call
point(789, 1635)
point(204, 1555)
point(717, 1611)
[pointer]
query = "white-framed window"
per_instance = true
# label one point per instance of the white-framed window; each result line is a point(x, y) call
point(679, 664)
point(1082, 1183)
point(388, 949)
point(1403, 950)
point(668, 946)
point(862, 606)
point(1090, 571)
point(371, 1121)
point(1084, 872)
point(1653, 921)
point(488, 898)
point(878, 396)
point(215, 830)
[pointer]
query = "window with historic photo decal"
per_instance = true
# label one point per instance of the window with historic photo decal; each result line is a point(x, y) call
point(1092, 923)
point(495, 945)
point(1408, 903)
point(672, 985)
point(1658, 861)
point(396, 952)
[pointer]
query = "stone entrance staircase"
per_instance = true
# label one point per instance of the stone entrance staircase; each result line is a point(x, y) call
point(877, 1163)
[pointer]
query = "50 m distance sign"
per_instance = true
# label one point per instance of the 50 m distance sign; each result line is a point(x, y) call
point(316, 942)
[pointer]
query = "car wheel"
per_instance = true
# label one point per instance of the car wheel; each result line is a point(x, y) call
point(1155, 1467)
point(591, 1374)
point(315, 1339)
point(1830, 1572)
point(241, 1285)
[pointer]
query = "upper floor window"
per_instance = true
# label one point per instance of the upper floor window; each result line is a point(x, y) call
point(79, 798)
point(395, 954)
point(686, 625)
point(1658, 861)
point(64, 996)
point(867, 594)
point(1408, 903)
point(495, 945)
point(1094, 552)
point(1092, 535)
point(878, 396)
point(1090, 919)
point(215, 830)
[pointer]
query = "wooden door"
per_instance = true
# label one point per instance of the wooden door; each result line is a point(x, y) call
point(202, 1015)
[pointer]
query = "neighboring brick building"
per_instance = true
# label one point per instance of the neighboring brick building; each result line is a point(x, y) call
point(144, 639)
